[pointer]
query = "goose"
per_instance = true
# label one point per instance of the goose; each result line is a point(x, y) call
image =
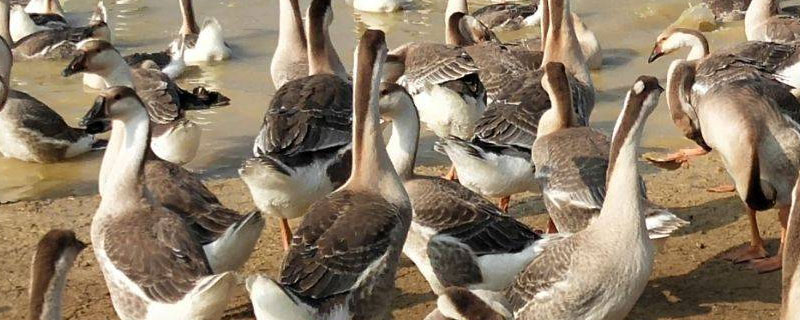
point(761, 23)
point(462, 303)
point(457, 238)
point(790, 292)
point(290, 60)
point(204, 44)
point(302, 151)
point(175, 138)
point(45, 13)
point(752, 124)
point(55, 254)
point(344, 256)
point(30, 130)
point(380, 6)
point(508, 16)
point(598, 272)
point(128, 228)
point(571, 163)
point(50, 43)
point(496, 161)
point(743, 60)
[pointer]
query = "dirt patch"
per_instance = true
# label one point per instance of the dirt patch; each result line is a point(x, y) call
point(690, 281)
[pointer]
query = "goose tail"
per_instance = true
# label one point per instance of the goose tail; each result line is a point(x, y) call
point(201, 98)
point(271, 301)
point(210, 44)
point(661, 223)
point(231, 250)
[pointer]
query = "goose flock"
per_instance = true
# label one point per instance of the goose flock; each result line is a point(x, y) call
point(511, 117)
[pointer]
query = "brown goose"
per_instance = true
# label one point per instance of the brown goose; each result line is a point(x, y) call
point(496, 161)
point(302, 152)
point(599, 272)
point(344, 256)
point(55, 254)
point(752, 124)
point(763, 24)
point(130, 227)
point(790, 306)
point(457, 237)
point(571, 163)
point(32, 131)
point(175, 137)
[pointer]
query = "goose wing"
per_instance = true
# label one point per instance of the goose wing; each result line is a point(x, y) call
point(498, 64)
point(453, 210)
point(782, 29)
point(343, 238)
point(159, 94)
point(308, 114)
point(495, 15)
point(35, 115)
point(154, 249)
point(429, 64)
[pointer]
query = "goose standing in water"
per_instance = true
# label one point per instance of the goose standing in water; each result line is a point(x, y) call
point(302, 152)
point(752, 124)
point(762, 23)
point(129, 227)
point(50, 43)
point(790, 306)
point(344, 256)
point(204, 44)
point(55, 254)
point(599, 272)
point(571, 162)
point(32, 131)
point(496, 162)
point(751, 59)
point(175, 137)
point(457, 238)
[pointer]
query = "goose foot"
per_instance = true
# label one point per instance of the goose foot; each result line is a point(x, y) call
point(503, 204)
point(766, 265)
point(745, 254)
point(286, 234)
point(551, 227)
point(725, 188)
point(451, 175)
point(677, 159)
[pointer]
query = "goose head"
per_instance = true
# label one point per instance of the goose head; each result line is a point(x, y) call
point(674, 39)
point(113, 103)
point(55, 254)
point(93, 56)
point(394, 99)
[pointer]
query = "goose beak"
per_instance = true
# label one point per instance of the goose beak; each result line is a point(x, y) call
point(657, 53)
point(96, 120)
point(78, 64)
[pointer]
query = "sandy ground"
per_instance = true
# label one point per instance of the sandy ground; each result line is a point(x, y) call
point(690, 281)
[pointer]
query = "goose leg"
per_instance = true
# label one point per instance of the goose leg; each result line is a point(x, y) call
point(451, 175)
point(503, 204)
point(286, 234)
point(756, 248)
point(774, 263)
point(676, 159)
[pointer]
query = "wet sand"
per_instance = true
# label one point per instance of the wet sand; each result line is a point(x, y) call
point(689, 281)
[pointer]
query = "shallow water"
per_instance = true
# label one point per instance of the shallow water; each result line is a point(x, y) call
point(626, 30)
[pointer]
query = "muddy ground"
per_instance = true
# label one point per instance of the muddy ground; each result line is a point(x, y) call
point(690, 281)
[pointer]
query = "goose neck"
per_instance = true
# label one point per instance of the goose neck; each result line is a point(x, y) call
point(290, 29)
point(402, 145)
point(189, 24)
point(129, 137)
point(562, 42)
point(47, 288)
point(319, 44)
point(453, 35)
point(454, 6)
point(757, 13)
point(117, 75)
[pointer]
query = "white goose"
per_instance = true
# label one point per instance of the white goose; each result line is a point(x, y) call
point(496, 161)
point(457, 237)
point(32, 131)
point(599, 272)
point(129, 228)
point(344, 256)
point(763, 24)
point(301, 153)
point(54, 256)
point(204, 44)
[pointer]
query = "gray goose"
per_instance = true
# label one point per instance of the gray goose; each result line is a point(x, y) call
point(791, 273)
point(302, 152)
point(751, 59)
point(51, 43)
point(496, 161)
point(571, 163)
point(175, 137)
point(457, 237)
point(130, 227)
point(752, 124)
point(344, 256)
point(599, 272)
point(763, 24)
point(32, 131)
point(54, 256)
